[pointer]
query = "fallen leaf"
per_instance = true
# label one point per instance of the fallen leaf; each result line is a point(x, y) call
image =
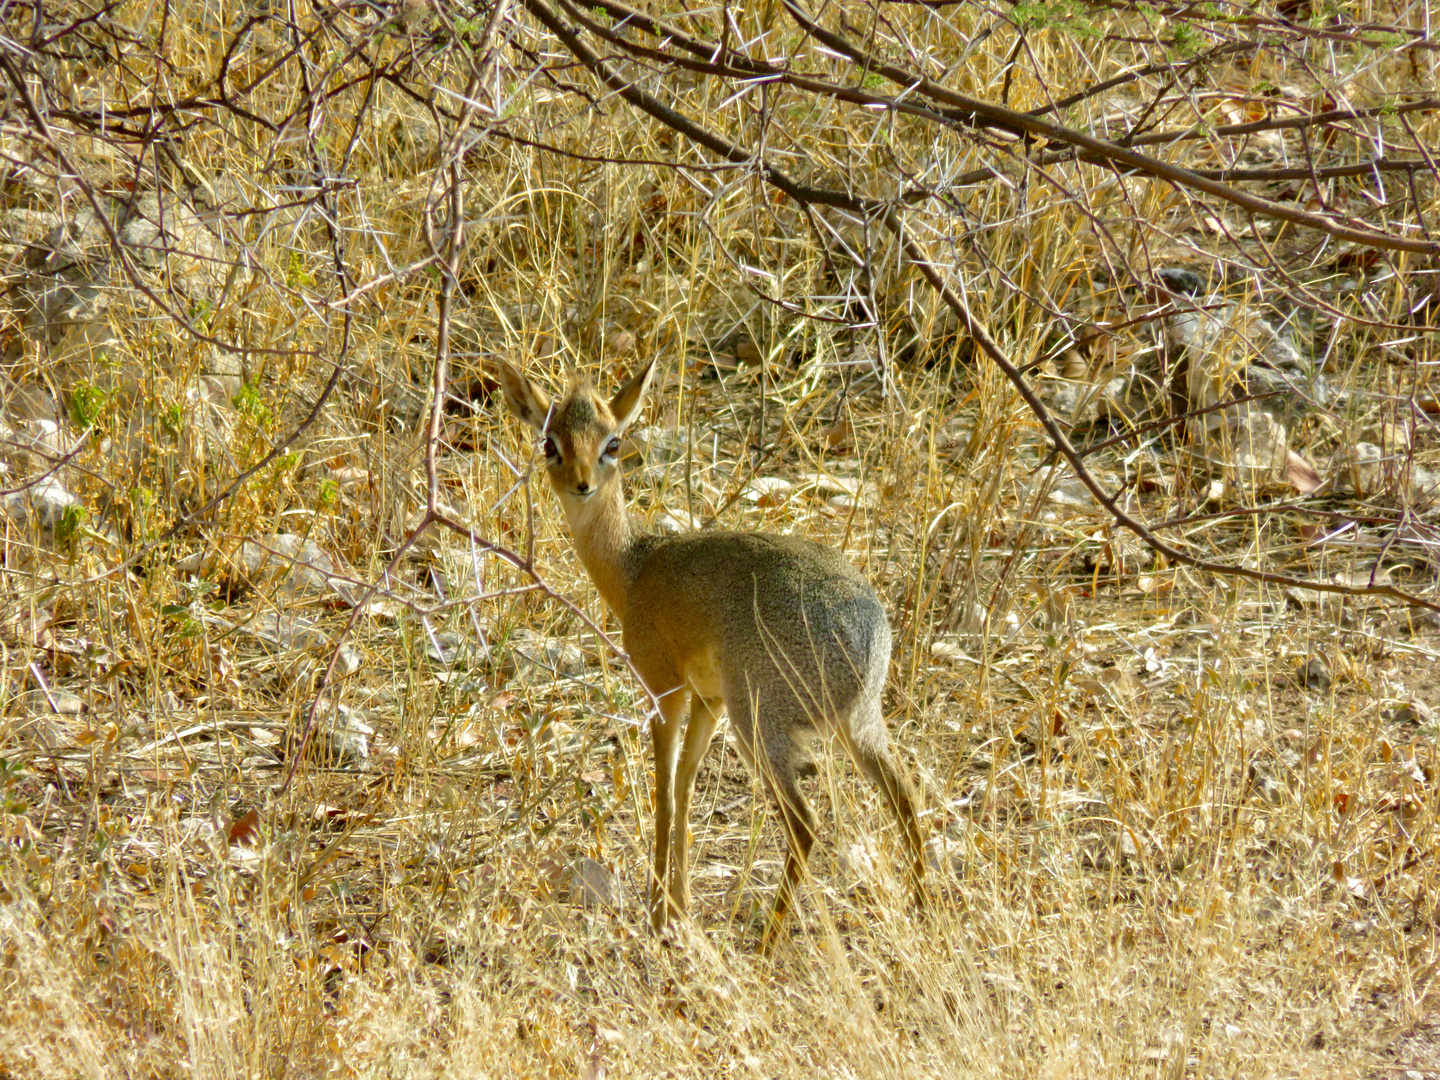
point(838, 435)
point(1301, 474)
point(245, 830)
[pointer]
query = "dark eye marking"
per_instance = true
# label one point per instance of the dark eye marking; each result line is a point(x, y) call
point(552, 450)
point(612, 447)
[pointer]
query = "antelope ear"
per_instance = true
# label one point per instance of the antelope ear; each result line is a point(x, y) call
point(526, 400)
point(625, 406)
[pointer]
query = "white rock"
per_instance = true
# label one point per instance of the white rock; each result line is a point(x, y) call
point(286, 631)
point(345, 735)
point(59, 702)
point(1360, 468)
point(42, 504)
point(532, 657)
point(768, 490)
point(297, 564)
point(449, 649)
point(1246, 442)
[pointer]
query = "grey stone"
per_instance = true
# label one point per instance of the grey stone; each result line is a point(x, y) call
point(592, 884)
point(42, 504)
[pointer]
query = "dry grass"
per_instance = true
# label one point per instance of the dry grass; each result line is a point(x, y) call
point(1158, 851)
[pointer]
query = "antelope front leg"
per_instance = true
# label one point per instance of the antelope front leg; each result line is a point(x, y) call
point(665, 731)
point(698, 732)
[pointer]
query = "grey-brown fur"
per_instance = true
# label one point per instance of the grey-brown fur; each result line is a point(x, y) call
point(781, 632)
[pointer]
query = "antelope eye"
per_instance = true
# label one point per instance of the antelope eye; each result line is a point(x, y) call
point(551, 450)
point(612, 448)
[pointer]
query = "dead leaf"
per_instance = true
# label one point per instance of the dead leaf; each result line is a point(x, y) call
point(1301, 474)
point(245, 830)
point(838, 435)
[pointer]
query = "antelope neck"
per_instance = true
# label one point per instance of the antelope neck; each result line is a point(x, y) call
point(604, 536)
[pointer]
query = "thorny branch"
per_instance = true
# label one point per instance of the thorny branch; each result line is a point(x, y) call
point(338, 58)
point(953, 107)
